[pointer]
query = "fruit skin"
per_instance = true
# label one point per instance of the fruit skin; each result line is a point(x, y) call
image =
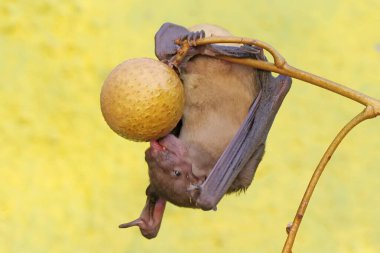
point(142, 99)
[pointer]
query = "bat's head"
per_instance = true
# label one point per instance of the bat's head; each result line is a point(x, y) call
point(170, 172)
point(171, 177)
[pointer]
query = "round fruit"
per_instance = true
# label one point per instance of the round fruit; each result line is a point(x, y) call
point(142, 99)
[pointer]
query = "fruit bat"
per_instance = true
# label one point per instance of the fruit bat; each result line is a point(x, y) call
point(217, 146)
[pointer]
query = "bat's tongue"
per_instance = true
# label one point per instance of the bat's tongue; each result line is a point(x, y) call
point(157, 146)
point(170, 143)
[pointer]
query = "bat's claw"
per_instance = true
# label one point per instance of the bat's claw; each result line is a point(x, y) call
point(194, 187)
point(205, 203)
point(173, 63)
point(192, 37)
point(194, 191)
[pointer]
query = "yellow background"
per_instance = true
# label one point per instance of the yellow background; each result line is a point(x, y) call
point(67, 180)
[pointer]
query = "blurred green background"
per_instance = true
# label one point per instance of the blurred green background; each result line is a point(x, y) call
point(67, 180)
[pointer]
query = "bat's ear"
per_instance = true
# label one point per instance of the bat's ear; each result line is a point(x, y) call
point(150, 219)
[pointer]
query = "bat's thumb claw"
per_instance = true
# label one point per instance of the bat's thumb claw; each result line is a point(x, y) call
point(193, 187)
point(203, 34)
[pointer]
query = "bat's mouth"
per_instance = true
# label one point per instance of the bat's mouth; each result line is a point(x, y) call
point(158, 145)
point(155, 144)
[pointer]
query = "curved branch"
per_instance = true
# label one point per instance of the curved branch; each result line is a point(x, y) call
point(367, 113)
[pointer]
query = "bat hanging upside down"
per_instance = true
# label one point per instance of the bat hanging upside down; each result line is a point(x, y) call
point(216, 148)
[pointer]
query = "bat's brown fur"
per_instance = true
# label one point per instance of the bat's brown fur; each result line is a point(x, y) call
point(218, 96)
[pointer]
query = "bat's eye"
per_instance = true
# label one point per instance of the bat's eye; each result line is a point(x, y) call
point(176, 173)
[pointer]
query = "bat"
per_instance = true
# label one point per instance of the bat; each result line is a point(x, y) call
point(220, 141)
